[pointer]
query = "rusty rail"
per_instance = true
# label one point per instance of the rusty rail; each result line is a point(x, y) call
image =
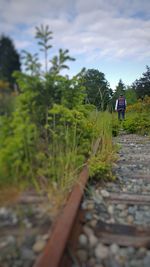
point(54, 250)
point(55, 247)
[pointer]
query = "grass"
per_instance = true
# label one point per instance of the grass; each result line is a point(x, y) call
point(65, 161)
point(58, 170)
point(100, 165)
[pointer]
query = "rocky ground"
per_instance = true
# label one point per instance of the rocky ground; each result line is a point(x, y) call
point(24, 229)
point(133, 177)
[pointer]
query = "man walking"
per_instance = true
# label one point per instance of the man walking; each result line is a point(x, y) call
point(121, 107)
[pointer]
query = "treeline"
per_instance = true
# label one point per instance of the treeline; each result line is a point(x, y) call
point(96, 88)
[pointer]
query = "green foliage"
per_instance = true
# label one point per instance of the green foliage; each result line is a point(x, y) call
point(138, 120)
point(100, 165)
point(120, 89)
point(32, 99)
point(51, 132)
point(115, 125)
point(9, 59)
point(17, 146)
point(44, 35)
point(77, 121)
point(68, 92)
point(97, 89)
point(142, 85)
point(130, 95)
point(137, 123)
point(58, 62)
point(46, 141)
point(7, 99)
point(130, 125)
point(31, 63)
point(61, 162)
point(99, 169)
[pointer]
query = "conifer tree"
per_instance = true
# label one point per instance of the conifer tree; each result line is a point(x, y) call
point(9, 59)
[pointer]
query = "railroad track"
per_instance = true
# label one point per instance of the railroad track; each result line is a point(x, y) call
point(112, 226)
point(116, 225)
point(102, 225)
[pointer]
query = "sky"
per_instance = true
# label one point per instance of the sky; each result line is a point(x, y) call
point(112, 36)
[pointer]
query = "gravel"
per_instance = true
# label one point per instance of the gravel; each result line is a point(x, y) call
point(132, 171)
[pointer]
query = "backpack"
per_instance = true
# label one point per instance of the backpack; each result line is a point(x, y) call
point(121, 103)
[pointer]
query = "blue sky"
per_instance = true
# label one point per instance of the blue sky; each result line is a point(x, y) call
point(112, 36)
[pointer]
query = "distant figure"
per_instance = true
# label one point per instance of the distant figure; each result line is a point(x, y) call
point(121, 107)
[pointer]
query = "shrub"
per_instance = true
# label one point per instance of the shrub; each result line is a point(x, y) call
point(138, 119)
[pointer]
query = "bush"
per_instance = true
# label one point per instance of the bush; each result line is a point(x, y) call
point(138, 119)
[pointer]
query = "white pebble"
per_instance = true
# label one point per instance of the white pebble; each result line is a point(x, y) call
point(105, 193)
point(83, 240)
point(114, 248)
point(111, 209)
point(39, 246)
point(93, 240)
point(101, 251)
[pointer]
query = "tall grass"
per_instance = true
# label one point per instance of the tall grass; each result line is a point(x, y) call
point(64, 160)
point(100, 165)
point(103, 129)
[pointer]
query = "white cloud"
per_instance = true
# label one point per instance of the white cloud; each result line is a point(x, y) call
point(22, 44)
point(32, 11)
point(95, 29)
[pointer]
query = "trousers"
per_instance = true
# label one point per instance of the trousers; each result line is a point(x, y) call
point(121, 114)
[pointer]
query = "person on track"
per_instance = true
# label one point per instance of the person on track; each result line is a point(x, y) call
point(120, 107)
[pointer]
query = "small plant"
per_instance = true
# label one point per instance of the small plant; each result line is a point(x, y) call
point(99, 169)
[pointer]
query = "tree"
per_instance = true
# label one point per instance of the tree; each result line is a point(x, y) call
point(31, 62)
point(58, 62)
point(130, 95)
point(120, 88)
point(97, 88)
point(9, 60)
point(44, 35)
point(142, 86)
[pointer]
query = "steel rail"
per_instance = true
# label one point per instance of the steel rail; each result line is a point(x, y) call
point(55, 247)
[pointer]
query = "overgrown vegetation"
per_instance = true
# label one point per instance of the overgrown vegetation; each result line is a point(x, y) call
point(50, 131)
